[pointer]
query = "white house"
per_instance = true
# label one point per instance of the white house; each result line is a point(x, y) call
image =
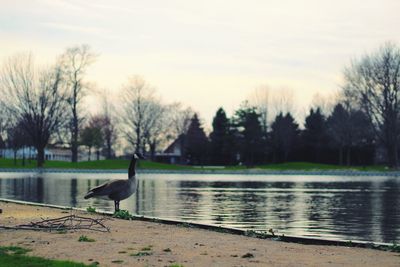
point(60, 154)
point(174, 153)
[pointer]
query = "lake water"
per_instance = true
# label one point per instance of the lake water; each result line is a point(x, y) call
point(335, 207)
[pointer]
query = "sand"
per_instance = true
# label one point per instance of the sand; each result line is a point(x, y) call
point(169, 244)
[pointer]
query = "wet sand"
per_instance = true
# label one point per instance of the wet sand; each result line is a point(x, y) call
point(140, 243)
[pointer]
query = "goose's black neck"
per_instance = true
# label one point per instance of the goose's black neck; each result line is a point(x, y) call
point(132, 167)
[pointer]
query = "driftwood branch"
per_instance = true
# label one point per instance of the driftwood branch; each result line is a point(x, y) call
point(70, 222)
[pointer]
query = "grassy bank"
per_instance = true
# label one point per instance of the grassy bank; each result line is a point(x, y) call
point(15, 257)
point(148, 165)
point(114, 164)
point(319, 167)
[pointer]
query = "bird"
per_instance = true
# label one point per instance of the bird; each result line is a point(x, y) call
point(120, 189)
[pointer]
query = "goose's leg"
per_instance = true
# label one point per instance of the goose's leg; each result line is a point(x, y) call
point(116, 204)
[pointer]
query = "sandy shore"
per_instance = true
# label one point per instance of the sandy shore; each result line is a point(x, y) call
point(169, 244)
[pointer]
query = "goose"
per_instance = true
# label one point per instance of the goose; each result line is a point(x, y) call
point(120, 189)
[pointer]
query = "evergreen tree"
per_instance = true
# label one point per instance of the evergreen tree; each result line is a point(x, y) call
point(220, 139)
point(91, 136)
point(349, 130)
point(284, 136)
point(17, 139)
point(196, 143)
point(315, 137)
point(339, 130)
point(250, 136)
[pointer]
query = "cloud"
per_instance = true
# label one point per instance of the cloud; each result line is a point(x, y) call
point(194, 49)
point(65, 5)
point(74, 28)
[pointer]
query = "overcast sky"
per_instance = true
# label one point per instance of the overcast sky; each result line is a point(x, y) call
point(206, 54)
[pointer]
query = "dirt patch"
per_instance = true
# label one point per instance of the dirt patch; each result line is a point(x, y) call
point(138, 243)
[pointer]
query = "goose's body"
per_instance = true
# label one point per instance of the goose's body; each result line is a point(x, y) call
point(113, 190)
point(117, 190)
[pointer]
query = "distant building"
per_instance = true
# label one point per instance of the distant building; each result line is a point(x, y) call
point(54, 153)
point(26, 152)
point(174, 153)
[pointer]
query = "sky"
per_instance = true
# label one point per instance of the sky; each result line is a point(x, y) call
point(209, 53)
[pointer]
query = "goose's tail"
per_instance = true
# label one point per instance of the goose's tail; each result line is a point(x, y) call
point(89, 195)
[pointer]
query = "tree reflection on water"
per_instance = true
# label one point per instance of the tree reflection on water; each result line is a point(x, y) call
point(356, 208)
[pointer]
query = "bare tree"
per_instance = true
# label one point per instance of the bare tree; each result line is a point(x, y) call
point(260, 99)
point(270, 102)
point(325, 103)
point(3, 120)
point(155, 127)
point(34, 98)
point(75, 62)
point(180, 118)
point(374, 83)
point(4, 123)
point(142, 114)
point(282, 101)
point(109, 128)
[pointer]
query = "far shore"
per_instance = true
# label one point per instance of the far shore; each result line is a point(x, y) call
point(146, 166)
point(250, 171)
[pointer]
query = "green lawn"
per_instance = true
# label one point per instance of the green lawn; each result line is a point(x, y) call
point(99, 164)
point(317, 166)
point(15, 257)
point(144, 164)
point(308, 166)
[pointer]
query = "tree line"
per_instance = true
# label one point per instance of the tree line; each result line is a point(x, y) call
point(344, 137)
point(362, 128)
point(42, 106)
